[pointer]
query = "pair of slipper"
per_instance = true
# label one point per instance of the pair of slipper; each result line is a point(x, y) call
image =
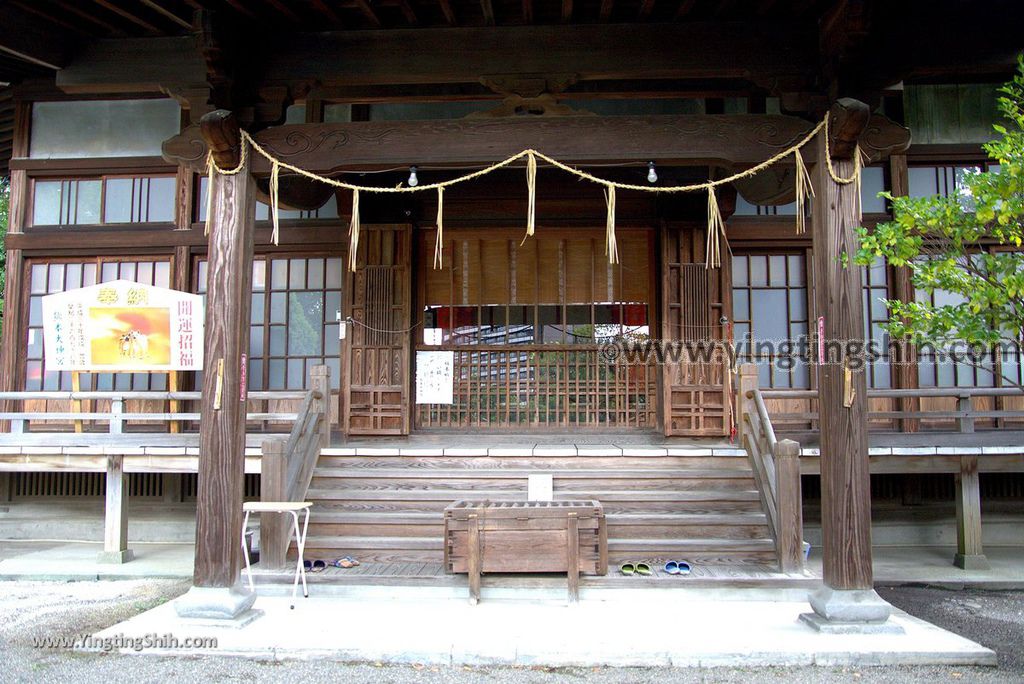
point(634, 568)
point(320, 565)
point(677, 568)
point(644, 569)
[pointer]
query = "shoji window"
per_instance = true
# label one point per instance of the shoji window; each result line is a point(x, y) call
point(769, 295)
point(48, 278)
point(292, 326)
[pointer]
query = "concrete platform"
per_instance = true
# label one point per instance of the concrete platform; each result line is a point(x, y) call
point(64, 562)
point(644, 629)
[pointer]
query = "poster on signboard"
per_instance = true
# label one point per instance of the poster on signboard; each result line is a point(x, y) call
point(124, 326)
point(435, 383)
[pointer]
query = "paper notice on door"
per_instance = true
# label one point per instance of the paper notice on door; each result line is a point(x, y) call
point(435, 377)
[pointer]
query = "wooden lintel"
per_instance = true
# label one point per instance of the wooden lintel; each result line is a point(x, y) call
point(698, 140)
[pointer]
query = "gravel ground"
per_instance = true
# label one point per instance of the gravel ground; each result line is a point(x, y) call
point(33, 609)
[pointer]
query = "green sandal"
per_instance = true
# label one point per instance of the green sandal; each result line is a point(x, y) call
point(643, 569)
point(627, 568)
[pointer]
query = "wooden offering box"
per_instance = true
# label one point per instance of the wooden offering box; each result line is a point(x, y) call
point(525, 536)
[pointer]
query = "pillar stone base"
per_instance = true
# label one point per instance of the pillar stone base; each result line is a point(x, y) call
point(215, 603)
point(115, 557)
point(971, 561)
point(849, 611)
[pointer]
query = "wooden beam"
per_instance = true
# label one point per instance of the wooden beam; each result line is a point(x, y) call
point(54, 18)
point(115, 519)
point(699, 140)
point(73, 8)
point(646, 7)
point(371, 16)
point(222, 432)
point(842, 387)
point(606, 10)
point(487, 7)
point(770, 54)
point(970, 555)
point(685, 7)
point(528, 11)
point(23, 36)
point(566, 11)
point(408, 12)
point(240, 7)
point(325, 11)
point(449, 13)
point(163, 11)
point(285, 10)
point(125, 14)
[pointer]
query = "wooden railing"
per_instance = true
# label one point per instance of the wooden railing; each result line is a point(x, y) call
point(532, 386)
point(776, 466)
point(288, 465)
point(25, 422)
point(965, 418)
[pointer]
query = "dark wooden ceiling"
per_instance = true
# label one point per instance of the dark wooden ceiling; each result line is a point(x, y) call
point(123, 18)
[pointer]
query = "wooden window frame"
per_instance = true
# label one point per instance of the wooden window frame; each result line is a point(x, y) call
point(31, 226)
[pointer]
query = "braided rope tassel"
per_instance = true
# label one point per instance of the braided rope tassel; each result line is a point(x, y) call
point(275, 203)
point(611, 246)
point(439, 243)
point(716, 228)
point(209, 192)
point(804, 191)
point(353, 232)
point(531, 195)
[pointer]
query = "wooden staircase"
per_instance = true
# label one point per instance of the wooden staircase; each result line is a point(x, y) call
point(702, 508)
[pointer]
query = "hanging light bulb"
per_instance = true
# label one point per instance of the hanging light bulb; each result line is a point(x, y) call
point(413, 180)
point(652, 175)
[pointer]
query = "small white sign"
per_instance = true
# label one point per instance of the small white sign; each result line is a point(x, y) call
point(540, 487)
point(435, 377)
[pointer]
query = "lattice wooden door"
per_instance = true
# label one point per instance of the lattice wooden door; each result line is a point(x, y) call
point(696, 388)
point(375, 353)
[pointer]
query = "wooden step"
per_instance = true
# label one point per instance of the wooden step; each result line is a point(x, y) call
point(666, 526)
point(522, 473)
point(534, 464)
point(517, 488)
point(450, 494)
point(431, 549)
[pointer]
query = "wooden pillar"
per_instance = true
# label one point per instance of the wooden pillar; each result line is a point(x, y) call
point(845, 483)
point(905, 366)
point(115, 521)
point(320, 381)
point(969, 552)
point(789, 500)
point(12, 339)
point(222, 430)
point(5, 487)
point(848, 595)
point(275, 528)
point(172, 487)
point(747, 382)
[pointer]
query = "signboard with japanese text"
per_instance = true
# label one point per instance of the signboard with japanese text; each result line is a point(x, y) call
point(435, 381)
point(123, 326)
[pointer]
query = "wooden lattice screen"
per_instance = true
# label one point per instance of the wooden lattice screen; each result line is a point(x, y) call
point(375, 353)
point(696, 388)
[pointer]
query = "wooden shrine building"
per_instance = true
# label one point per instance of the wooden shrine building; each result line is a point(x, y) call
point(161, 142)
